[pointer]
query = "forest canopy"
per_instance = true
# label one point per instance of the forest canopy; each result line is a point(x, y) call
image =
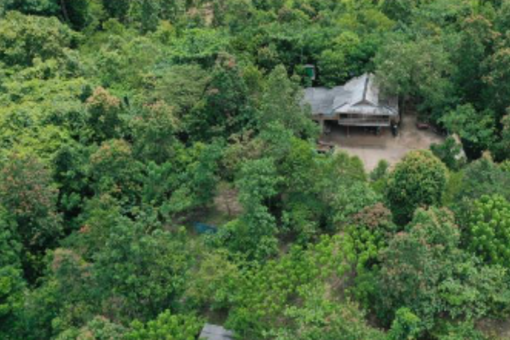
point(159, 171)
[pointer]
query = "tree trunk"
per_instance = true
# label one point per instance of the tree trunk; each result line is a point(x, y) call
point(64, 11)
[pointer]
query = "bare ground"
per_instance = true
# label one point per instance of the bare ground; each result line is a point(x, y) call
point(371, 149)
point(226, 201)
point(496, 329)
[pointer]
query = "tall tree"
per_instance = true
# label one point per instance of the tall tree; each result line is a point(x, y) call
point(416, 69)
point(417, 181)
point(282, 104)
point(476, 129)
point(117, 8)
point(27, 192)
point(489, 229)
point(497, 81)
point(225, 108)
point(141, 270)
point(104, 115)
point(23, 39)
point(477, 39)
point(424, 270)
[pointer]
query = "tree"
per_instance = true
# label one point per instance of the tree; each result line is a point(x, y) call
point(166, 326)
point(23, 39)
point(489, 229)
point(72, 282)
point(229, 13)
point(12, 290)
point(99, 328)
point(12, 283)
point(154, 130)
point(173, 10)
point(424, 270)
point(502, 23)
point(224, 109)
point(321, 318)
point(103, 115)
point(503, 146)
point(198, 45)
point(416, 69)
point(476, 129)
point(370, 231)
point(254, 234)
point(147, 12)
point(215, 281)
point(399, 10)
point(451, 153)
point(79, 13)
point(418, 180)
point(27, 192)
point(380, 171)
point(349, 199)
point(179, 86)
point(462, 331)
point(496, 80)
point(346, 58)
point(40, 7)
point(420, 258)
point(141, 269)
point(281, 104)
point(122, 62)
point(115, 171)
point(476, 43)
point(99, 214)
point(301, 206)
point(332, 66)
point(117, 8)
point(10, 240)
point(406, 326)
point(202, 173)
point(482, 177)
point(71, 173)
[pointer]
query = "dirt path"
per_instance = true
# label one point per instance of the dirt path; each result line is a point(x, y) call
point(371, 148)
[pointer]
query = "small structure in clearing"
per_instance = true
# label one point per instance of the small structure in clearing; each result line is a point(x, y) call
point(357, 103)
point(213, 332)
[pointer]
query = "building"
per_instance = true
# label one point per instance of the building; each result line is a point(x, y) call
point(213, 332)
point(357, 103)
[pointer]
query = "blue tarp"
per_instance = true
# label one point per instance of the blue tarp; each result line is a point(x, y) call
point(202, 228)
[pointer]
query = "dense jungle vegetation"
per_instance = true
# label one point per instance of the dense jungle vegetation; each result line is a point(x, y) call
point(125, 122)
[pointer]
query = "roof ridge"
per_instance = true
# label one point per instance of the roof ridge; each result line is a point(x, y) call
point(365, 89)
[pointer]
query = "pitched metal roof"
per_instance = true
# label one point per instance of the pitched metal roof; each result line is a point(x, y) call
point(213, 332)
point(360, 95)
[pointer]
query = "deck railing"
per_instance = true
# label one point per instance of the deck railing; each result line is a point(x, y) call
point(365, 121)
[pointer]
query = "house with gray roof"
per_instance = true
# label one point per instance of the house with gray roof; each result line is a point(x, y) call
point(357, 103)
point(213, 332)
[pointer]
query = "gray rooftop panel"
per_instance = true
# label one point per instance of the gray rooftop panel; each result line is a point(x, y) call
point(360, 95)
point(213, 332)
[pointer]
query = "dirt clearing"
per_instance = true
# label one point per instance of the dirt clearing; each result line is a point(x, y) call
point(371, 148)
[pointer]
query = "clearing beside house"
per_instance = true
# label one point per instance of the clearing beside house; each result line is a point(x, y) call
point(372, 148)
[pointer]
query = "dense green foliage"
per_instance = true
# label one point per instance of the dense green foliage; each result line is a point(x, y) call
point(489, 229)
point(418, 181)
point(126, 125)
